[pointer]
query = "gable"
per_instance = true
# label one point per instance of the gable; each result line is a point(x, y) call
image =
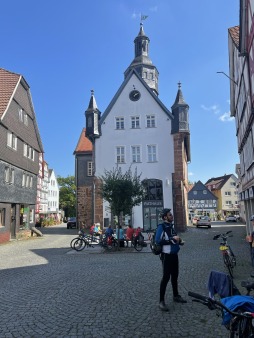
point(84, 144)
point(135, 81)
point(200, 192)
point(8, 83)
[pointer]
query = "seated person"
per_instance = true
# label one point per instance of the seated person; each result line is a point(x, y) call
point(138, 235)
point(129, 234)
point(119, 232)
point(92, 229)
point(109, 232)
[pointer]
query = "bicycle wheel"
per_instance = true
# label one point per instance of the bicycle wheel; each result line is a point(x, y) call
point(72, 242)
point(79, 244)
point(138, 245)
point(228, 264)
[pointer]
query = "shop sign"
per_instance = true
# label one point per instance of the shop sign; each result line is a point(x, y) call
point(153, 203)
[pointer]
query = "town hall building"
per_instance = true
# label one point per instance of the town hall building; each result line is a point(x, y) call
point(136, 131)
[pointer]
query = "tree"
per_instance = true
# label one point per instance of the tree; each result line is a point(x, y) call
point(67, 195)
point(123, 191)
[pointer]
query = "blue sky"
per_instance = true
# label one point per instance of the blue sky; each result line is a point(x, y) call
point(65, 48)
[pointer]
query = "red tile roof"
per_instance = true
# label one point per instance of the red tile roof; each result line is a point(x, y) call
point(84, 144)
point(234, 33)
point(8, 82)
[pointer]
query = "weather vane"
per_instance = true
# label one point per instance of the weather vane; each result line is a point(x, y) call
point(143, 17)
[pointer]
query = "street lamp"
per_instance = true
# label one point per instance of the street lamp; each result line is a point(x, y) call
point(228, 77)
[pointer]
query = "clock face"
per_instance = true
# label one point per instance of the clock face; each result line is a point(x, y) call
point(135, 95)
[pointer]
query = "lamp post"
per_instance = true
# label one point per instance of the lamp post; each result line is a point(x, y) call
point(228, 77)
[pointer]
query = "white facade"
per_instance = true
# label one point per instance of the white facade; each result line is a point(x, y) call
point(137, 135)
point(229, 196)
point(53, 193)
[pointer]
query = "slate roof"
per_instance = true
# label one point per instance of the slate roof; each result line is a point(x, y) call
point(8, 83)
point(234, 33)
point(218, 182)
point(84, 144)
point(199, 187)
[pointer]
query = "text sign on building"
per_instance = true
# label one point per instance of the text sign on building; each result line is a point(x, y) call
point(153, 203)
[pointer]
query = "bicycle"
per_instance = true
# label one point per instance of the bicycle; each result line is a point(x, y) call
point(237, 321)
point(79, 243)
point(229, 258)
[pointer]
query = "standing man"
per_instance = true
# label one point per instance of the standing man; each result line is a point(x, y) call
point(167, 237)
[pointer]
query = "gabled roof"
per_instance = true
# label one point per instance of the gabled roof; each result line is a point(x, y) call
point(234, 33)
point(111, 104)
point(218, 182)
point(199, 188)
point(8, 84)
point(84, 144)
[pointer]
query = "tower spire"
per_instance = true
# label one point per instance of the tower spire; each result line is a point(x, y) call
point(142, 62)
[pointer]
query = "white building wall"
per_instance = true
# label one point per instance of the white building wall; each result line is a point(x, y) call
point(53, 195)
point(105, 147)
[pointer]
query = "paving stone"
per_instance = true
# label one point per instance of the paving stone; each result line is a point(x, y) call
point(49, 290)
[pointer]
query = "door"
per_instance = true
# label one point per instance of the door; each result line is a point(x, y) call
point(13, 221)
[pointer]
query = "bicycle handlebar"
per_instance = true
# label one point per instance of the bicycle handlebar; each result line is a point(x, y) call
point(224, 236)
point(213, 304)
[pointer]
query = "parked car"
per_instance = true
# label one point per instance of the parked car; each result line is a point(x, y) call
point(195, 219)
point(204, 221)
point(231, 218)
point(71, 223)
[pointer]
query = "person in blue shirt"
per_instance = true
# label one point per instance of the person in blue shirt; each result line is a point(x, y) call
point(120, 232)
point(168, 238)
point(109, 232)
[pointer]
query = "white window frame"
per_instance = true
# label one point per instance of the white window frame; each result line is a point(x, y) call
point(135, 122)
point(21, 114)
point(119, 123)
point(23, 179)
point(2, 217)
point(151, 153)
point(26, 119)
point(9, 175)
point(150, 121)
point(120, 154)
point(11, 140)
point(227, 193)
point(136, 154)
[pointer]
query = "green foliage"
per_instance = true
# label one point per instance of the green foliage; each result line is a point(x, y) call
point(123, 191)
point(67, 195)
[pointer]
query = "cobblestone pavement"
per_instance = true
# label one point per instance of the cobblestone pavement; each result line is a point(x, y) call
point(48, 290)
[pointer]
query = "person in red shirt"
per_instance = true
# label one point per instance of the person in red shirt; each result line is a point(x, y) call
point(129, 234)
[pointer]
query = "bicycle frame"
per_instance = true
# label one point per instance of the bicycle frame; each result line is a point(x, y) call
point(240, 324)
point(227, 253)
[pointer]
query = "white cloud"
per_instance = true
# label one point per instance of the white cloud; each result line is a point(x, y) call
point(226, 117)
point(134, 15)
point(191, 174)
point(214, 108)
